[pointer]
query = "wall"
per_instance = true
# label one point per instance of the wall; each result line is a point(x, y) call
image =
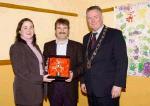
point(44, 22)
point(138, 89)
point(44, 27)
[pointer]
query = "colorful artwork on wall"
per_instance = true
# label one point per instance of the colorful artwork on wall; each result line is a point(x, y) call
point(134, 21)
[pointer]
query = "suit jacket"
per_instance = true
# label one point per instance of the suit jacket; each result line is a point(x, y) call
point(109, 67)
point(75, 52)
point(28, 83)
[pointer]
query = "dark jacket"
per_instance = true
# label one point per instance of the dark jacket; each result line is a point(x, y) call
point(109, 67)
point(74, 51)
point(28, 83)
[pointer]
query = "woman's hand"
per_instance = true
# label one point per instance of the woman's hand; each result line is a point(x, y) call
point(46, 79)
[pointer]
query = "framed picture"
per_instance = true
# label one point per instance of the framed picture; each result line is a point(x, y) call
point(58, 67)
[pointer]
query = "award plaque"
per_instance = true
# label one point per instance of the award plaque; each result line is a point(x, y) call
point(58, 67)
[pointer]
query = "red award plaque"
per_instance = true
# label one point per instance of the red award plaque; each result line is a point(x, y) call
point(58, 67)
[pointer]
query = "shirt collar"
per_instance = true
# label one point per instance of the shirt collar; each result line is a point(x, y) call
point(64, 42)
point(98, 31)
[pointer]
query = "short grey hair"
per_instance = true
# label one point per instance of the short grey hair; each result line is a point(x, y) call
point(93, 8)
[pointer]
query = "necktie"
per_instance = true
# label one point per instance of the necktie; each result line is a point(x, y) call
point(93, 40)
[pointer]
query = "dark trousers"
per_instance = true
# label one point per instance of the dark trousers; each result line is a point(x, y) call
point(41, 104)
point(102, 101)
point(60, 97)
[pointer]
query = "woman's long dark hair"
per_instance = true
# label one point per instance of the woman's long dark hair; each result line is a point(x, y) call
point(18, 38)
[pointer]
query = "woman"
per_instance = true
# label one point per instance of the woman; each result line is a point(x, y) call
point(27, 63)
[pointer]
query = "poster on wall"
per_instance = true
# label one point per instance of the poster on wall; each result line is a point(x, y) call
point(134, 21)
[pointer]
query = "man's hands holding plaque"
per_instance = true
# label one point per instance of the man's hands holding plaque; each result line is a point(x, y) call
point(46, 79)
point(70, 77)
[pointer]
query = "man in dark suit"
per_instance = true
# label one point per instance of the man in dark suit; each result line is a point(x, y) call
point(105, 61)
point(64, 93)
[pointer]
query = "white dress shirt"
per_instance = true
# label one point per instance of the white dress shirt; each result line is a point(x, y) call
point(61, 48)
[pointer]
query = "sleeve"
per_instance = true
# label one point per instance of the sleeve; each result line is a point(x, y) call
point(78, 71)
point(121, 59)
point(84, 61)
point(20, 67)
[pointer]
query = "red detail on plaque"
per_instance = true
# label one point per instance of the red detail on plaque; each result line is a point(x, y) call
point(59, 66)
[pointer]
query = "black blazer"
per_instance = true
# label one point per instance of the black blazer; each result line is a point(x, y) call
point(75, 51)
point(28, 83)
point(109, 66)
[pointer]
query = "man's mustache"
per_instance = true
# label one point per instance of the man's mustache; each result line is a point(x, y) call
point(62, 33)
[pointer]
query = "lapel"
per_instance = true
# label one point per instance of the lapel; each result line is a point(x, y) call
point(97, 41)
point(53, 48)
point(37, 47)
point(100, 35)
point(69, 48)
point(30, 51)
point(88, 40)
